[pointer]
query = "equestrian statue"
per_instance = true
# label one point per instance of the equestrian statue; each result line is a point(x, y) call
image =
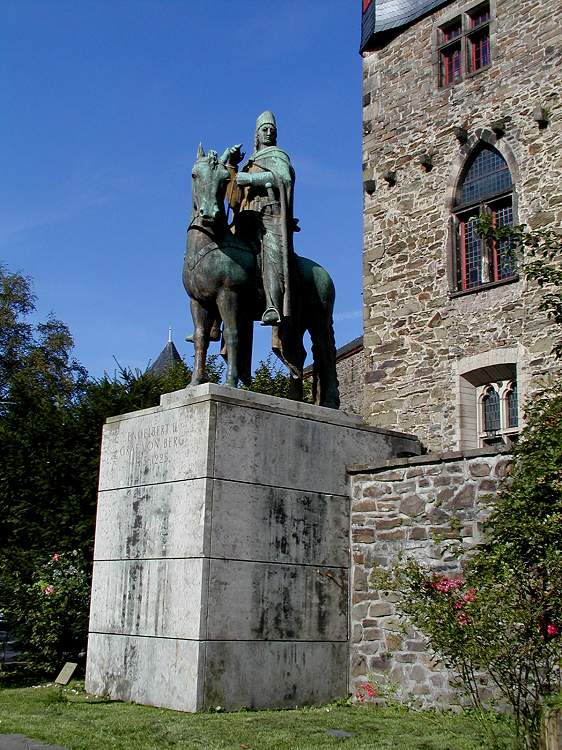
point(248, 270)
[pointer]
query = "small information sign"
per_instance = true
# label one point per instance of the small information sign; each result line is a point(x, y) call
point(64, 676)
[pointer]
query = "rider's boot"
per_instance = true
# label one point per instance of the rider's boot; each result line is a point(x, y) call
point(214, 335)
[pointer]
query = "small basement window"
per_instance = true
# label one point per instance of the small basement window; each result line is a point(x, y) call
point(463, 45)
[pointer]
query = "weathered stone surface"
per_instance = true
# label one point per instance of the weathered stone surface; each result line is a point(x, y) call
point(407, 295)
point(253, 601)
point(166, 447)
point(273, 523)
point(260, 675)
point(163, 672)
point(221, 561)
point(149, 597)
point(412, 506)
point(379, 645)
point(150, 522)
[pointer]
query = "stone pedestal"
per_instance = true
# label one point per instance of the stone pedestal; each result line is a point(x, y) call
point(222, 551)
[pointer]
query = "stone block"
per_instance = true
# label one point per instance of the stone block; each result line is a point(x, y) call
point(412, 506)
point(222, 551)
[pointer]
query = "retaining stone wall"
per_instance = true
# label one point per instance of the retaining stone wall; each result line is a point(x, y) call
point(411, 507)
point(416, 334)
point(351, 377)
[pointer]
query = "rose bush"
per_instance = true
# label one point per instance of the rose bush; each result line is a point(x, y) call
point(499, 624)
point(49, 614)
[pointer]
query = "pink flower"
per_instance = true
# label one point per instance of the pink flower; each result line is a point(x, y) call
point(470, 595)
point(55, 557)
point(360, 697)
point(459, 605)
point(48, 590)
point(551, 630)
point(462, 619)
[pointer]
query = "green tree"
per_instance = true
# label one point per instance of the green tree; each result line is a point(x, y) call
point(271, 379)
point(51, 419)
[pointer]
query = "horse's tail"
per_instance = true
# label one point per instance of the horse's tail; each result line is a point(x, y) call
point(325, 385)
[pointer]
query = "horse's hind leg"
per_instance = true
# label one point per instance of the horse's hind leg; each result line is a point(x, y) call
point(324, 355)
point(202, 321)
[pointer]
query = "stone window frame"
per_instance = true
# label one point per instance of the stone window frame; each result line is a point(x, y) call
point(464, 14)
point(481, 137)
point(474, 373)
point(505, 435)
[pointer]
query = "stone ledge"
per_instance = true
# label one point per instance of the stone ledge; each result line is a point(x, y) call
point(262, 402)
point(428, 458)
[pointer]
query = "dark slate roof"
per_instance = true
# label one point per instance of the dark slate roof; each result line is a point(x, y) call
point(350, 348)
point(168, 358)
point(384, 15)
point(347, 350)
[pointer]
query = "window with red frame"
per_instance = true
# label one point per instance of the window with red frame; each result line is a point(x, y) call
point(486, 188)
point(464, 45)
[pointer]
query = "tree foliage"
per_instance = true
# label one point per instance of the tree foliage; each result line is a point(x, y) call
point(538, 255)
point(51, 418)
point(270, 378)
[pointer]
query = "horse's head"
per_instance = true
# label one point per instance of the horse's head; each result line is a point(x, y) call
point(210, 177)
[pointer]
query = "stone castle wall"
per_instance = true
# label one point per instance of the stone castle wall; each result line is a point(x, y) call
point(418, 336)
point(411, 507)
point(351, 376)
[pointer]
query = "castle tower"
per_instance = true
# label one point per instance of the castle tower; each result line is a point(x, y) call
point(461, 118)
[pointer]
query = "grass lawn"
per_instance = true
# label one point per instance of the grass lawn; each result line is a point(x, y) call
point(71, 718)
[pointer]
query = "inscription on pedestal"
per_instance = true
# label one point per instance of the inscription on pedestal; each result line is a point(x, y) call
point(167, 450)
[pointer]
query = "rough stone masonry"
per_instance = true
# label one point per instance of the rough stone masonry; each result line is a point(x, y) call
point(418, 332)
point(411, 507)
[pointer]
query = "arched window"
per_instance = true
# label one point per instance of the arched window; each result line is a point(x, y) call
point(512, 406)
point(491, 407)
point(498, 419)
point(485, 188)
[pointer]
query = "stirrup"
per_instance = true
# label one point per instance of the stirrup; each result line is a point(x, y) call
point(270, 317)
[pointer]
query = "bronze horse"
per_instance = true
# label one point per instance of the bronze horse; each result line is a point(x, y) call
point(221, 277)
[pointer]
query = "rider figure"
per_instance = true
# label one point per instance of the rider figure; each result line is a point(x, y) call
point(268, 180)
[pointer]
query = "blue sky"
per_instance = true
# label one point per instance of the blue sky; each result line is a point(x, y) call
point(104, 103)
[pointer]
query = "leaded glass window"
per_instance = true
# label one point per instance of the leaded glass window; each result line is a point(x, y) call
point(512, 407)
point(491, 403)
point(486, 188)
point(487, 175)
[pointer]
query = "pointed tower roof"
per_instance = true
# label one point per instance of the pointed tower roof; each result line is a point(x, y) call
point(169, 357)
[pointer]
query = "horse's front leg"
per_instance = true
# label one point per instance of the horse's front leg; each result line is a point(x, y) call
point(202, 322)
point(234, 332)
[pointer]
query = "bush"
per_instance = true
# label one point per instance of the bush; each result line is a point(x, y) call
point(49, 614)
point(503, 617)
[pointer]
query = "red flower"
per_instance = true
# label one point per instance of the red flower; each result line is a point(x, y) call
point(551, 630)
point(462, 618)
point(365, 689)
point(444, 585)
point(470, 595)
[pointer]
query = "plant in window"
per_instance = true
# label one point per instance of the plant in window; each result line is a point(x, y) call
point(485, 189)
